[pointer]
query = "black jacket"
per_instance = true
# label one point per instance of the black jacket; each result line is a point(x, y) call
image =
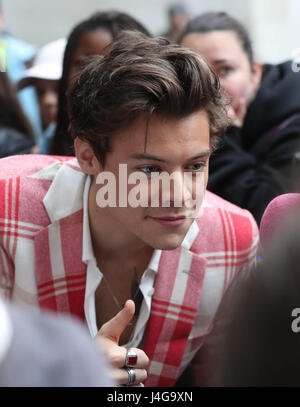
point(13, 142)
point(253, 164)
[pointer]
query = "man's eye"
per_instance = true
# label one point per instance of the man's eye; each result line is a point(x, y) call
point(196, 167)
point(149, 169)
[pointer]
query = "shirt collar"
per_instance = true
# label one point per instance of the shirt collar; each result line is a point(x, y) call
point(87, 249)
point(63, 196)
point(154, 262)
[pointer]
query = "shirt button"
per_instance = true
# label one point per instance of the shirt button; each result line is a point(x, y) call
point(151, 292)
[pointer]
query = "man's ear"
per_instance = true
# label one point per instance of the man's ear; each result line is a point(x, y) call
point(256, 74)
point(86, 157)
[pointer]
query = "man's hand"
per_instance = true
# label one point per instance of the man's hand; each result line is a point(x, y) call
point(108, 338)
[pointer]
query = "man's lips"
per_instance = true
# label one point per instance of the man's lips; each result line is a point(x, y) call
point(170, 220)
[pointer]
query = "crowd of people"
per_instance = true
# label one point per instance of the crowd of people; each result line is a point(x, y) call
point(178, 293)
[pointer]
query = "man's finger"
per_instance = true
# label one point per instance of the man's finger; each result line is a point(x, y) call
point(121, 376)
point(113, 328)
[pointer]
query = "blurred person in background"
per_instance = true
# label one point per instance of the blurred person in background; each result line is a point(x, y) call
point(257, 307)
point(16, 135)
point(254, 162)
point(296, 169)
point(44, 75)
point(18, 56)
point(41, 349)
point(178, 17)
point(256, 335)
point(276, 214)
point(90, 37)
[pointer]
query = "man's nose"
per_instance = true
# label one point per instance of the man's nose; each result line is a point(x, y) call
point(181, 191)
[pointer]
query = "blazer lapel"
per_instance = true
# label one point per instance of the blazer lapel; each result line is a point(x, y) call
point(60, 272)
point(178, 289)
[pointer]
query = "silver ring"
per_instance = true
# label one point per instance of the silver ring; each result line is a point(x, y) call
point(131, 377)
point(131, 358)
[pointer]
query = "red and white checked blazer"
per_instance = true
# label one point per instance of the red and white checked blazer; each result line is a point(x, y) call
point(41, 258)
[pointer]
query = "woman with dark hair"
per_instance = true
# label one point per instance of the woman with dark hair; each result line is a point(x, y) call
point(91, 37)
point(16, 136)
point(254, 162)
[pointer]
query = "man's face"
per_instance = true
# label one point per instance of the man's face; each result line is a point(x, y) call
point(175, 146)
point(47, 91)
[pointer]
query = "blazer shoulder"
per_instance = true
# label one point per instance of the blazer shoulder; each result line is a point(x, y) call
point(214, 201)
point(223, 226)
point(28, 164)
point(24, 182)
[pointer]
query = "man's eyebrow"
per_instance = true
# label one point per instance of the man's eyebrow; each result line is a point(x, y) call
point(204, 154)
point(143, 156)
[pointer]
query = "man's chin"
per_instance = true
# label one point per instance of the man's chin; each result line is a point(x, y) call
point(167, 244)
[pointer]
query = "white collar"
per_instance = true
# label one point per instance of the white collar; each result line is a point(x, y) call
point(64, 196)
point(87, 248)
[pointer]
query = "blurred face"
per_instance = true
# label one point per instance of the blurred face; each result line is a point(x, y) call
point(173, 146)
point(91, 43)
point(178, 21)
point(47, 91)
point(222, 49)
